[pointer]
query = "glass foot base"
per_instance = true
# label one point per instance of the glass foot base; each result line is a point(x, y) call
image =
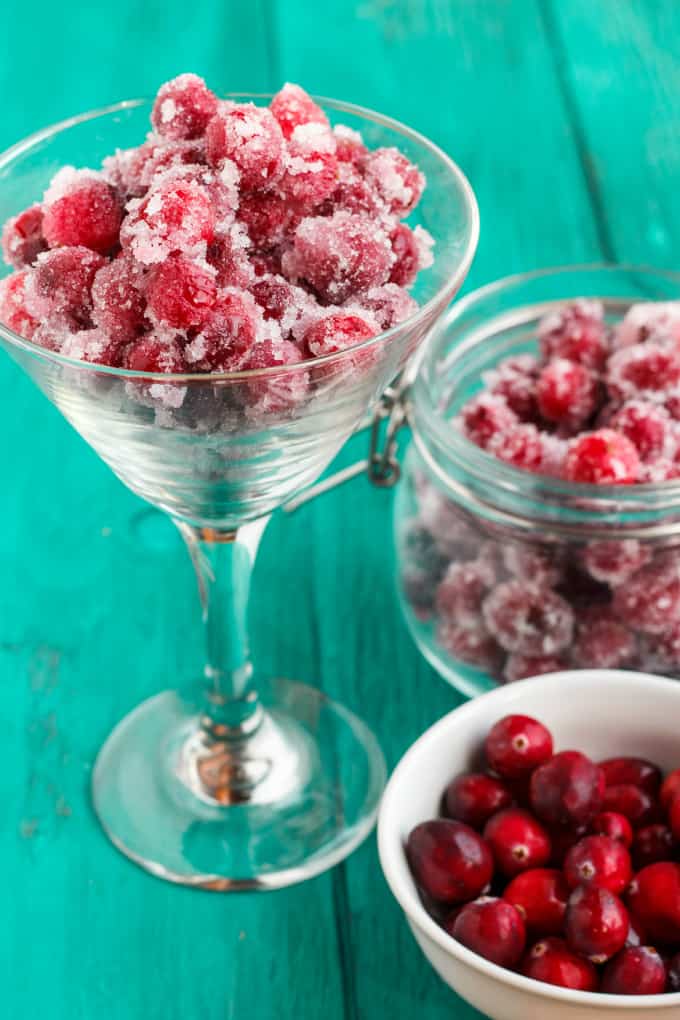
point(275, 808)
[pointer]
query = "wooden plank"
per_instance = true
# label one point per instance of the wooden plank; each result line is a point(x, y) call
point(621, 73)
point(97, 612)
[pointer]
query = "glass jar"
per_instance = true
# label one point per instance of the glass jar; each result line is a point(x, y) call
point(505, 574)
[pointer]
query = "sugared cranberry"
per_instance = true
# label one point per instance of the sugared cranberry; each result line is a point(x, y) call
point(336, 332)
point(388, 304)
point(23, 238)
point(528, 619)
point(670, 788)
point(673, 973)
point(180, 292)
point(14, 312)
point(522, 445)
point(598, 861)
point(637, 771)
point(349, 145)
point(576, 332)
point(647, 426)
point(602, 458)
point(635, 971)
point(399, 182)
point(651, 844)
point(339, 255)
point(615, 561)
point(461, 590)
point(567, 790)
point(449, 860)
point(603, 644)
point(566, 393)
point(474, 797)
point(226, 335)
point(406, 255)
point(654, 898)
point(354, 193)
point(88, 214)
point(535, 564)
point(492, 928)
point(183, 107)
point(118, 300)
point(636, 372)
point(650, 599)
point(311, 168)
point(267, 218)
point(518, 841)
point(60, 289)
point(519, 667)
point(292, 106)
point(626, 799)
point(516, 744)
point(596, 923)
point(176, 215)
point(250, 137)
point(616, 826)
point(153, 354)
point(552, 962)
point(541, 896)
point(514, 379)
point(656, 320)
point(486, 416)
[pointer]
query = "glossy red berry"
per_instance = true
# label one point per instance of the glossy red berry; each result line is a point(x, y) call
point(598, 861)
point(518, 841)
point(516, 745)
point(552, 962)
point(674, 817)
point(492, 928)
point(616, 826)
point(637, 771)
point(567, 790)
point(596, 923)
point(635, 971)
point(541, 896)
point(602, 458)
point(449, 860)
point(566, 393)
point(654, 898)
point(637, 806)
point(637, 936)
point(670, 788)
point(651, 844)
point(474, 797)
point(562, 840)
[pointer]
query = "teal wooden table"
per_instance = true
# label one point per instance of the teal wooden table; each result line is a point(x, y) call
point(565, 118)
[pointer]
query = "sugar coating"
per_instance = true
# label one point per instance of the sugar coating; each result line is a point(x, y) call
point(657, 320)
point(233, 237)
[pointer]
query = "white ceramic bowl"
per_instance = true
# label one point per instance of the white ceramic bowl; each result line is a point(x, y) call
point(601, 712)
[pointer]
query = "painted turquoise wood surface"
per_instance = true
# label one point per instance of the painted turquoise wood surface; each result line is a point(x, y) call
point(564, 116)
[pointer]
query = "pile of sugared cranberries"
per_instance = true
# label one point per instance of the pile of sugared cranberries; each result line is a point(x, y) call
point(556, 867)
point(235, 237)
point(600, 405)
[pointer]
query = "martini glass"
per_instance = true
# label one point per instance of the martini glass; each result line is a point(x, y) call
point(235, 781)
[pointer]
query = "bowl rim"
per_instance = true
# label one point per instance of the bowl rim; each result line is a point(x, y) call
point(408, 899)
point(444, 294)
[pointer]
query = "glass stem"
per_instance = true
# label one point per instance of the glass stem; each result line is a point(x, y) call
point(224, 561)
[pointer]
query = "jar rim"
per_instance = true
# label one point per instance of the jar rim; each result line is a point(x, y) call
point(580, 504)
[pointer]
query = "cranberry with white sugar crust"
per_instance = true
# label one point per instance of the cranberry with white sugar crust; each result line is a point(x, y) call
point(398, 181)
point(87, 214)
point(250, 137)
point(335, 333)
point(529, 620)
point(292, 106)
point(566, 393)
point(183, 107)
point(485, 417)
point(14, 312)
point(180, 292)
point(649, 601)
point(23, 238)
point(576, 332)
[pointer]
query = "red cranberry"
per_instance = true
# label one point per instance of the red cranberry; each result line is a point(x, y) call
point(523, 446)
point(654, 898)
point(292, 107)
point(471, 643)
point(492, 928)
point(602, 458)
point(670, 788)
point(566, 393)
point(117, 299)
point(486, 416)
point(514, 379)
point(598, 861)
point(616, 826)
point(517, 840)
point(648, 427)
point(226, 335)
point(311, 169)
point(473, 798)
point(577, 332)
point(674, 816)
point(637, 806)
point(449, 860)
point(637, 771)
point(673, 973)
point(642, 370)
point(541, 896)
point(250, 137)
point(406, 255)
point(638, 971)
point(180, 292)
point(399, 182)
point(349, 146)
point(562, 840)
point(284, 390)
point(650, 600)
point(614, 562)
point(151, 354)
point(88, 214)
point(567, 790)
point(552, 962)
point(516, 744)
point(183, 108)
point(23, 239)
point(335, 333)
point(388, 304)
point(603, 644)
point(596, 923)
point(267, 218)
point(461, 590)
point(527, 619)
point(651, 844)
point(61, 294)
point(14, 312)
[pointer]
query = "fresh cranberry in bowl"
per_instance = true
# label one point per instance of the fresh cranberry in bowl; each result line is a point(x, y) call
point(518, 841)
point(450, 860)
point(596, 923)
point(552, 962)
point(492, 928)
point(474, 797)
point(516, 745)
point(541, 896)
point(567, 790)
point(598, 861)
point(635, 971)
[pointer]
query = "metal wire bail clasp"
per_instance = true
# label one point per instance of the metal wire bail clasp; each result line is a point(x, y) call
point(381, 466)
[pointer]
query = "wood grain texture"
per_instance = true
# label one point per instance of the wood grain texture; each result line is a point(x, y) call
point(528, 96)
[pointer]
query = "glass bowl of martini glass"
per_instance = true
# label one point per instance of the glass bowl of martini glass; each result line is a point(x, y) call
point(235, 781)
